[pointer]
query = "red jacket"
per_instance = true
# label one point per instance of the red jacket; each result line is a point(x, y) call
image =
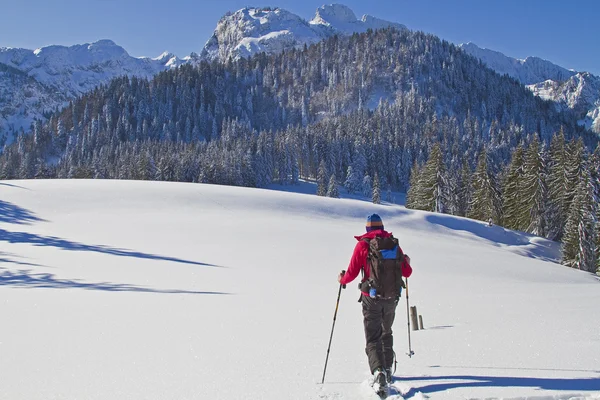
point(359, 258)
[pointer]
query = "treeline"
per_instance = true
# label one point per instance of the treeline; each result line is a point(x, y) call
point(552, 192)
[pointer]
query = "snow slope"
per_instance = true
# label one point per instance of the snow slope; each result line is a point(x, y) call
point(151, 290)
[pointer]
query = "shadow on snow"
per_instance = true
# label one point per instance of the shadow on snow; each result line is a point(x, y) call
point(14, 214)
point(63, 244)
point(27, 280)
point(472, 381)
point(542, 249)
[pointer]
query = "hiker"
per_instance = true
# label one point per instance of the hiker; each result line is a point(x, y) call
point(378, 311)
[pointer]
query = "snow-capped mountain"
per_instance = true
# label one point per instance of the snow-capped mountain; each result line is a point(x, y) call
point(77, 69)
point(23, 99)
point(271, 30)
point(578, 91)
point(528, 71)
point(33, 82)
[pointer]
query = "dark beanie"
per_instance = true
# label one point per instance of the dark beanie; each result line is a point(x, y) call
point(374, 222)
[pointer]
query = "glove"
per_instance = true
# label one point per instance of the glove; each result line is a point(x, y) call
point(340, 276)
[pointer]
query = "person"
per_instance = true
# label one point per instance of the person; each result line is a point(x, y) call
point(378, 313)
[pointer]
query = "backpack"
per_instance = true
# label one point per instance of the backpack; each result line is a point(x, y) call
point(385, 267)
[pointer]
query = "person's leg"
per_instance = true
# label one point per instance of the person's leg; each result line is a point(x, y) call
point(387, 339)
point(372, 313)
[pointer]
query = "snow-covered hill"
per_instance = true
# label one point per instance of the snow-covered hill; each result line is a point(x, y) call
point(271, 30)
point(36, 81)
point(578, 91)
point(154, 290)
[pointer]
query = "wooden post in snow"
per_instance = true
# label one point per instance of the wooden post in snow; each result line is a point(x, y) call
point(420, 322)
point(413, 318)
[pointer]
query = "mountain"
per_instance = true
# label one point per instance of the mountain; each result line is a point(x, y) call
point(57, 74)
point(34, 82)
point(272, 30)
point(528, 71)
point(23, 99)
point(578, 91)
point(162, 290)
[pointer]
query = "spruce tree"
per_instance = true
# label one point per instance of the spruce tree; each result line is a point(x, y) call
point(579, 241)
point(332, 190)
point(322, 179)
point(376, 196)
point(463, 189)
point(534, 188)
point(514, 199)
point(413, 189)
point(434, 182)
point(485, 205)
point(557, 183)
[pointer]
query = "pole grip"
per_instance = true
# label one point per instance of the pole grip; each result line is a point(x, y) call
point(343, 273)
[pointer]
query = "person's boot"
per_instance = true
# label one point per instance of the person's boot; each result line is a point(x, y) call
point(388, 375)
point(379, 380)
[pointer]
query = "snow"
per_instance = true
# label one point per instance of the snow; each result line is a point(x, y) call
point(528, 71)
point(153, 290)
point(77, 69)
point(253, 30)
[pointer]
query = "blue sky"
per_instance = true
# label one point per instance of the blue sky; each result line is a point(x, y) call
point(566, 33)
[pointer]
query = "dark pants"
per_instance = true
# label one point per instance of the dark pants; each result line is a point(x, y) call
point(378, 320)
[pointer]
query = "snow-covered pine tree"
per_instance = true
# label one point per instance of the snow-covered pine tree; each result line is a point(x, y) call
point(463, 189)
point(557, 183)
point(433, 182)
point(376, 195)
point(413, 194)
point(579, 241)
point(350, 181)
point(534, 188)
point(322, 179)
point(332, 189)
point(485, 204)
point(595, 175)
point(514, 200)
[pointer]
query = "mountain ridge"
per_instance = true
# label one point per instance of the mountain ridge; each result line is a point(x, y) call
point(568, 89)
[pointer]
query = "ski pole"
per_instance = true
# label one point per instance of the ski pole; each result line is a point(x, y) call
point(333, 326)
point(410, 352)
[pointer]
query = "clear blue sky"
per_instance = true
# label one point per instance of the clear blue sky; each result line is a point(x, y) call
point(564, 32)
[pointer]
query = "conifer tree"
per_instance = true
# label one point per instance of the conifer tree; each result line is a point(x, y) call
point(332, 190)
point(485, 205)
point(413, 189)
point(534, 188)
point(433, 182)
point(463, 189)
point(322, 179)
point(376, 197)
point(514, 200)
point(579, 241)
point(557, 183)
point(367, 188)
point(350, 182)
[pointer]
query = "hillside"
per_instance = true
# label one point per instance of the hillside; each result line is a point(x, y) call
point(153, 290)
